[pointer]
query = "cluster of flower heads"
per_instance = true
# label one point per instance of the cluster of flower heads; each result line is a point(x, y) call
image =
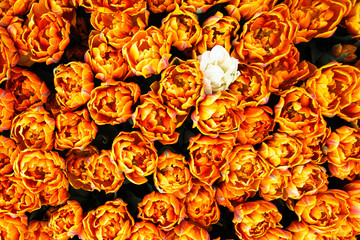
point(238, 147)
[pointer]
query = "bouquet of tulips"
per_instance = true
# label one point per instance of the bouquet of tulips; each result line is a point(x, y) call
point(144, 119)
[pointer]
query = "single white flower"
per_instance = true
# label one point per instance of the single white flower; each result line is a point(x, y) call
point(220, 70)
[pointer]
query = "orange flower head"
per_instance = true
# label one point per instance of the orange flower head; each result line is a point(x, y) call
point(317, 18)
point(172, 174)
point(12, 8)
point(187, 231)
point(16, 198)
point(180, 86)
point(218, 30)
point(251, 85)
point(254, 219)
point(33, 128)
point(256, 124)
point(298, 114)
point(342, 151)
point(352, 20)
point(13, 226)
point(324, 212)
point(217, 113)
point(66, 221)
point(155, 120)
point(344, 52)
point(135, 156)
point(111, 103)
point(42, 173)
point(246, 9)
point(104, 172)
point(75, 130)
point(208, 156)
point(201, 206)
point(144, 229)
point(27, 88)
point(39, 230)
point(157, 6)
point(334, 86)
point(73, 83)
point(266, 37)
point(7, 102)
point(9, 56)
point(352, 189)
point(241, 177)
point(283, 150)
point(109, 221)
point(106, 61)
point(162, 209)
point(7, 147)
point(308, 179)
point(181, 29)
point(287, 71)
point(274, 184)
point(47, 35)
point(148, 52)
point(77, 164)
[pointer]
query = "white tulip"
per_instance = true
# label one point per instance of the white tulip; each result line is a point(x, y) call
point(220, 70)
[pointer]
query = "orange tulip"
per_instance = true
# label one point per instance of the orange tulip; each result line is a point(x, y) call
point(34, 128)
point(11, 8)
point(352, 189)
point(246, 9)
point(7, 102)
point(27, 88)
point(274, 184)
point(147, 52)
point(256, 124)
point(317, 18)
point(47, 35)
point(144, 229)
point(181, 29)
point(106, 61)
point(73, 83)
point(187, 231)
point(201, 206)
point(283, 150)
point(42, 173)
point(155, 120)
point(307, 179)
point(163, 209)
point(253, 220)
point(39, 230)
point(266, 37)
point(111, 103)
point(218, 30)
point(342, 152)
point(334, 86)
point(208, 156)
point(324, 212)
point(66, 221)
point(162, 6)
point(217, 113)
point(109, 221)
point(75, 130)
point(136, 156)
point(104, 172)
point(9, 56)
point(352, 20)
point(77, 164)
point(16, 198)
point(287, 71)
point(251, 85)
point(180, 86)
point(172, 174)
point(242, 176)
point(7, 147)
point(13, 226)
